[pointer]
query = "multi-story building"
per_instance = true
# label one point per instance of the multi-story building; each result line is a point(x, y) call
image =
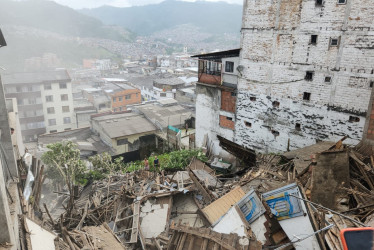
point(44, 100)
point(306, 72)
point(121, 93)
point(216, 98)
point(164, 88)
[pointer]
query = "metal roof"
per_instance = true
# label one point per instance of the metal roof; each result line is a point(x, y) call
point(219, 54)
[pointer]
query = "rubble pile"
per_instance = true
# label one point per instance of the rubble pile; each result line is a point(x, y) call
point(301, 199)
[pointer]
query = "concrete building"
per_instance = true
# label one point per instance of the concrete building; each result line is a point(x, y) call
point(121, 93)
point(164, 88)
point(44, 99)
point(306, 72)
point(123, 132)
point(216, 98)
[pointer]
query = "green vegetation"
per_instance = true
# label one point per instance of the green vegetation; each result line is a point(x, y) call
point(63, 161)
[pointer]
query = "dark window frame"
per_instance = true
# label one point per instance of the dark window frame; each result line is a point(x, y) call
point(229, 66)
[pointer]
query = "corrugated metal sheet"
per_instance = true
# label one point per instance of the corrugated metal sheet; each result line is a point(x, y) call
point(215, 210)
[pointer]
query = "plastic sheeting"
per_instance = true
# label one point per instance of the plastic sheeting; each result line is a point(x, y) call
point(27, 158)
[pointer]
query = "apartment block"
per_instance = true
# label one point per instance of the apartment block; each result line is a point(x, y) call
point(44, 99)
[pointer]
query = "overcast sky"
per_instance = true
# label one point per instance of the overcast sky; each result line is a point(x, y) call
point(79, 4)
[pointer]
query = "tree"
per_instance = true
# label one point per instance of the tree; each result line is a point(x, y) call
point(63, 161)
point(103, 163)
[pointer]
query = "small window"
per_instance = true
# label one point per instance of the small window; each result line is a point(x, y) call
point(334, 42)
point(63, 85)
point(67, 129)
point(51, 110)
point(319, 2)
point(313, 39)
point(276, 104)
point(298, 126)
point(248, 124)
point(275, 133)
point(114, 99)
point(229, 67)
point(136, 94)
point(342, 1)
point(127, 97)
point(51, 122)
point(328, 79)
point(122, 142)
point(252, 98)
point(65, 109)
point(233, 94)
point(306, 96)
point(64, 97)
point(354, 119)
point(67, 120)
point(309, 75)
point(49, 98)
point(53, 131)
point(120, 99)
point(371, 84)
point(229, 118)
point(47, 86)
point(163, 94)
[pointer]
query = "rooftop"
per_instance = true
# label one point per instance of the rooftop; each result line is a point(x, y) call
point(36, 77)
point(169, 81)
point(219, 54)
point(119, 125)
point(114, 80)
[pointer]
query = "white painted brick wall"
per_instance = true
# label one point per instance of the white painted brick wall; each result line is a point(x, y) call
point(276, 53)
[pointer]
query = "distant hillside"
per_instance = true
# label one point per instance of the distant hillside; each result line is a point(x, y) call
point(50, 16)
point(32, 28)
point(209, 17)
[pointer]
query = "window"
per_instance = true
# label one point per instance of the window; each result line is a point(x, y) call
point(18, 89)
point(229, 118)
point(51, 122)
point(342, 1)
point(163, 94)
point(229, 67)
point(334, 42)
point(47, 86)
point(63, 85)
point(248, 124)
point(298, 126)
point(276, 104)
point(120, 99)
point(49, 98)
point(29, 88)
point(252, 98)
point(309, 75)
point(136, 94)
point(66, 129)
point(233, 94)
point(64, 97)
point(51, 110)
point(67, 120)
point(122, 142)
point(306, 96)
point(114, 99)
point(313, 39)
point(319, 2)
point(328, 79)
point(353, 119)
point(127, 97)
point(65, 109)
point(19, 101)
point(53, 131)
point(371, 84)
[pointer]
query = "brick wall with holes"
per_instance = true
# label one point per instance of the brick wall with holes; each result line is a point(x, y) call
point(278, 51)
point(226, 122)
point(228, 101)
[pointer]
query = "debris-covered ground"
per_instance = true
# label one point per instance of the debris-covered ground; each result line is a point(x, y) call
point(301, 199)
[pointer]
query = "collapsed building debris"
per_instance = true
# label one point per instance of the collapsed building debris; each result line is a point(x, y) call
point(279, 201)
